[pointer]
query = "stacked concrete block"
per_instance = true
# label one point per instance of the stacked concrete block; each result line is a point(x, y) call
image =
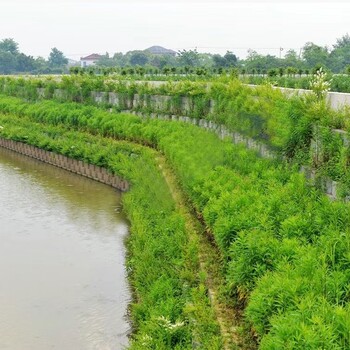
point(113, 99)
point(76, 166)
point(211, 106)
point(59, 94)
point(344, 136)
point(186, 105)
point(41, 92)
point(99, 97)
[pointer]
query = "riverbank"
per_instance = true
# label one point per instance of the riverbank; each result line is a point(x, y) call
point(62, 259)
point(276, 234)
point(162, 262)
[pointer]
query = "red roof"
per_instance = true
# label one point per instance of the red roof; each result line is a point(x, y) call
point(92, 57)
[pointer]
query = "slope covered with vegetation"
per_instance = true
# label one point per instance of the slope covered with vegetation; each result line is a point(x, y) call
point(284, 246)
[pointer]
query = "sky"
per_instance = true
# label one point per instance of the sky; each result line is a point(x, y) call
point(81, 27)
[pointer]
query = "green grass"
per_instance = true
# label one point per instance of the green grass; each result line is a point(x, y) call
point(170, 308)
point(284, 245)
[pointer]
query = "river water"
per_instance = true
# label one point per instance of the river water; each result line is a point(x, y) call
point(62, 274)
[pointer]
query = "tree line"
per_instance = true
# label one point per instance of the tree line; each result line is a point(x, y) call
point(13, 61)
point(335, 59)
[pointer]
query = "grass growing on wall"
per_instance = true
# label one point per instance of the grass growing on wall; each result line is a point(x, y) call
point(285, 124)
point(284, 245)
point(261, 113)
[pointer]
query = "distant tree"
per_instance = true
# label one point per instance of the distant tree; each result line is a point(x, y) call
point(105, 61)
point(233, 73)
point(254, 61)
point(57, 59)
point(319, 68)
point(231, 59)
point(7, 62)
point(160, 61)
point(140, 70)
point(260, 62)
point(9, 45)
point(219, 61)
point(290, 71)
point(75, 70)
point(339, 57)
point(272, 72)
point(25, 63)
point(188, 58)
point(166, 70)
point(138, 58)
point(344, 41)
point(120, 59)
point(205, 59)
point(8, 56)
point(41, 65)
point(315, 55)
point(291, 59)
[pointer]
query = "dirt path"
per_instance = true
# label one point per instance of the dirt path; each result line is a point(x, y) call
point(209, 260)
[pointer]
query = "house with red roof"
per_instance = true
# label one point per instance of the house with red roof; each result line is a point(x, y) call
point(89, 60)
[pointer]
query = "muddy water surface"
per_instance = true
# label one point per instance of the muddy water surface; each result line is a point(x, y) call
point(62, 274)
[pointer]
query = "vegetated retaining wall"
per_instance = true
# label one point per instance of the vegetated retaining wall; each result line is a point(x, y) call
point(328, 186)
point(161, 107)
point(337, 100)
point(159, 103)
point(75, 166)
point(220, 130)
point(155, 103)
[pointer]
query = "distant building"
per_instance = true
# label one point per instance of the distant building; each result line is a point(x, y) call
point(89, 60)
point(159, 50)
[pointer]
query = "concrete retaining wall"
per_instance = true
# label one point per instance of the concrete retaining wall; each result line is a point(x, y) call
point(159, 104)
point(75, 166)
point(155, 103)
point(220, 130)
point(327, 185)
point(337, 100)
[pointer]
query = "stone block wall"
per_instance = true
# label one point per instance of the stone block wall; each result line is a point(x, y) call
point(220, 130)
point(75, 166)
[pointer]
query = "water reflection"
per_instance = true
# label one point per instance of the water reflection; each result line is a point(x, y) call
point(63, 282)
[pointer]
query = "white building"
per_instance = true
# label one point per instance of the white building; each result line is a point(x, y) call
point(89, 60)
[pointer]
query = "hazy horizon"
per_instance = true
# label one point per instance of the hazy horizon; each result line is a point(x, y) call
point(79, 28)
